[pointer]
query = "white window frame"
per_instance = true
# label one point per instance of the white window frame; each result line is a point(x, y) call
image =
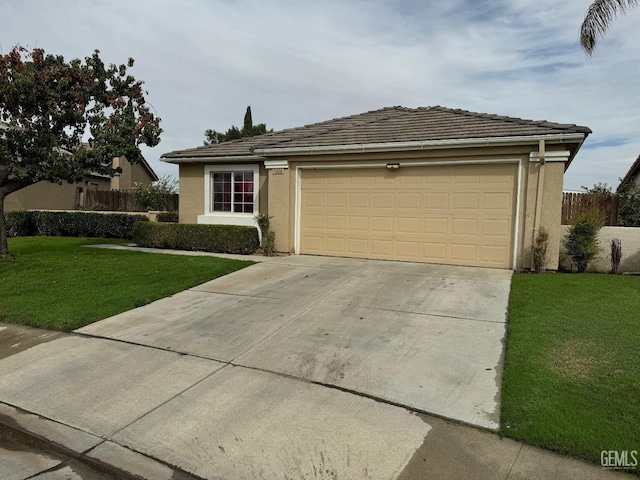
point(229, 218)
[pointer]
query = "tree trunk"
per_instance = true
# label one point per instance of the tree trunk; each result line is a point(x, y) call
point(4, 248)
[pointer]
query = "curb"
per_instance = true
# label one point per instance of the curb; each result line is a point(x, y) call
point(96, 453)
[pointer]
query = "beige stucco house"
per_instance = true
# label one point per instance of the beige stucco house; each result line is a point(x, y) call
point(51, 196)
point(426, 185)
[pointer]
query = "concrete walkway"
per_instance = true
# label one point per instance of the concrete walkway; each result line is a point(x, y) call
point(301, 367)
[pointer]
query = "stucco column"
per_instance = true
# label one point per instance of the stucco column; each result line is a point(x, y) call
point(551, 202)
point(279, 178)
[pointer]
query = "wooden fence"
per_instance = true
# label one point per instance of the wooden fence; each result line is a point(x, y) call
point(120, 201)
point(575, 204)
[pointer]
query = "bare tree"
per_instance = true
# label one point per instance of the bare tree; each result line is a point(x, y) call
point(598, 19)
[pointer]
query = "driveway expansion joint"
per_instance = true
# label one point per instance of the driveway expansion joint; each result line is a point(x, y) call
point(440, 315)
point(515, 459)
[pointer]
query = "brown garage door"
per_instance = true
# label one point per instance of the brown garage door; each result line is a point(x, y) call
point(453, 214)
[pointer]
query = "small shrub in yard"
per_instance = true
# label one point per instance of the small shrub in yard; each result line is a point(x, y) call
point(268, 236)
point(208, 238)
point(72, 224)
point(616, 254)
point(167, 217)
point(540, 250)
point(581, 241)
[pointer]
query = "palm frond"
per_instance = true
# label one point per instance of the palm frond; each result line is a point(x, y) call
point(598, 19)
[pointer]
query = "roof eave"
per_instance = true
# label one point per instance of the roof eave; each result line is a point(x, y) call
point(427, 145)
point(176, 160)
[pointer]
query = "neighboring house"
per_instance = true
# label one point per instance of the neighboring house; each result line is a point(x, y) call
point(426, 184)
point(51, 196)
point(633, 175)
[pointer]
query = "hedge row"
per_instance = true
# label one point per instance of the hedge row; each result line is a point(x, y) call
point(167, 217)
point(208, 238)
point(72, 224)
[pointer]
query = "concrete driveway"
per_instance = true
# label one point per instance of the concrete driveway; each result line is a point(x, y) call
point(229, 379)
point(429, 337)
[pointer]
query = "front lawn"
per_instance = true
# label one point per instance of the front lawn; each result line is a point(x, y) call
point(572, 371)
point(57, 283)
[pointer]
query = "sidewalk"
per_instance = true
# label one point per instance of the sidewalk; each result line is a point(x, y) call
point(179, 417)
point(167, 251)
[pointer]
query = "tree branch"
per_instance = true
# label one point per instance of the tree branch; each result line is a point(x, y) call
point(10, 186)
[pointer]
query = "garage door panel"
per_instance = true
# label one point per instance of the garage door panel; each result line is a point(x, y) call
point(313, 199)
point(382, 247)
point(335, 245)
point(383, 200)
point(463, 252)
point(408, 250)
point(314, 244)
point(495, 228)
point(408, 225)
point(358, 246)
point(409, 200)
point(435, 226)
point(495, 254)
point(336, 200)
point(466, 201)
point(314, 222)
point(411, 180)
point(457, 214)
point(436, 201)
point(387, 178)
point(465, 226)
point(438, 177)
point(359, 200)
point(382, 224)
point(473, 177)
point(336, 222)
point(434, 251)
point(497, 201)
point(358, 223)
point(359, 180)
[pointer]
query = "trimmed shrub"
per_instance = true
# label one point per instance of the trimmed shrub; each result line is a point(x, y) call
point(167, 217)
point(187, 236)
point(72, 224)
point(21, 223)
point(581, 241)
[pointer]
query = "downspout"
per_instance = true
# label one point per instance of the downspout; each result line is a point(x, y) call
point(539, 191)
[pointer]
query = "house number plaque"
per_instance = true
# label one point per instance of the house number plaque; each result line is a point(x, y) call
point(278, 171)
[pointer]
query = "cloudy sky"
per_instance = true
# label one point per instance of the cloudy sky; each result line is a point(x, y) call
point(297, 62)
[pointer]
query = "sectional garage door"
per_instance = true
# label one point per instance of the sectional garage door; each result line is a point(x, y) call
point(452, 214)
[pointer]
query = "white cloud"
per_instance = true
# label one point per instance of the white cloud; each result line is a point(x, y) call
point(301, 62)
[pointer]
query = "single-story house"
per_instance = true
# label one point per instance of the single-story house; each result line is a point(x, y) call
point(46, 195)
point(427, 184)
point(633, 175)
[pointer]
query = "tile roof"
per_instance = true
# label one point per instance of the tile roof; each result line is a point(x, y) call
point(388, 125)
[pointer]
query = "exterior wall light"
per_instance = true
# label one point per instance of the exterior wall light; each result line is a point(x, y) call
point(393, 166)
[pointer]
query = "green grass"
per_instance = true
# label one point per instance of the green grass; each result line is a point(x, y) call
point(571, 380)
point(57, 283)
